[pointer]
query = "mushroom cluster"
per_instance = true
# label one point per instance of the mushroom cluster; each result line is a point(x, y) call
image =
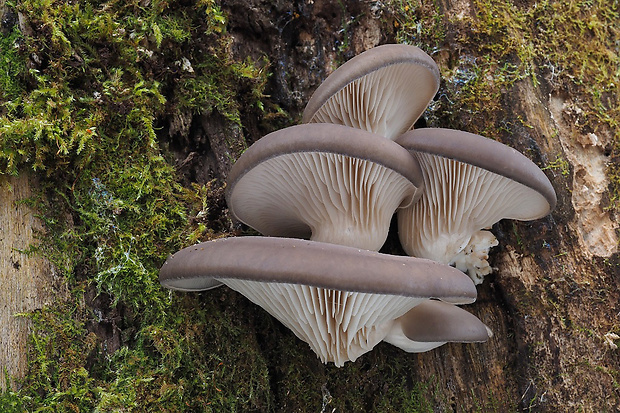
point(323, 194)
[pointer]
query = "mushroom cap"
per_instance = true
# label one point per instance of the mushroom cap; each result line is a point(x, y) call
point(340, 300)
point(487, 154)
point(328, 182)
point(434, 323)
point(470, 183)
point(383, 90)
point(317, 264)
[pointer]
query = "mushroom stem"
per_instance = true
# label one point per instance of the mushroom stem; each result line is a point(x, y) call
point(434, 323)
point(473, 258)
point(470, 183)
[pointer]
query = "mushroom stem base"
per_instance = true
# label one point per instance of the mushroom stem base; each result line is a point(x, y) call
point(473, 258)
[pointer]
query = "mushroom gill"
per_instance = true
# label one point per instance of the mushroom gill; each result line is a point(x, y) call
point(470, 183)
point(342, 301)
point(325, 182)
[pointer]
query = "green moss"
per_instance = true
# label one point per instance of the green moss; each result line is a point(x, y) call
point(179, 364)
point(418, 398)
point(85, 119)
point(183, 366)
point(103, 74)
point(59, 353)
point(12, 68)
point(561, 164)
point(419, 23)
point(613, 171)
point(572, 45)
point(82, 100)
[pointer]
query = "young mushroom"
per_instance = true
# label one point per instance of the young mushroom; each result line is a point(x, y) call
point(342, 301)
point(383, 90)
point(434, 323)
point(470, 183)
point(325, 182)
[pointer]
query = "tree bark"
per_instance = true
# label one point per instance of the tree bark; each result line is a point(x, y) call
point(552, 301)
point(27, 282)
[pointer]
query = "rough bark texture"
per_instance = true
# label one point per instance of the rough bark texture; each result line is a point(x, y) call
point(26, 282)
point(552, 300)
point(554, 294)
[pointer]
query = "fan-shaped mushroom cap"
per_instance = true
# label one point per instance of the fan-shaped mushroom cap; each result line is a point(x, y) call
point(435, 323)
point(340, 300)
point(383, 90)
point(470, 183)
point(328, 182)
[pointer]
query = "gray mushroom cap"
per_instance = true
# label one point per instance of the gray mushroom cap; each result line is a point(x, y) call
point(340, 300)
point(470, 183)
point(490, 155)
point(317, 264)
point(383, 90)
point(434, 323)
point(326, 182)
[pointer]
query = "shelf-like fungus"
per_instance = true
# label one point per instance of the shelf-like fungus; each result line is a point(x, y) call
point(470, 183)
point(342, 301)
point(337, 180)
point(434, 323)
point(326, 182)
point(383, 90)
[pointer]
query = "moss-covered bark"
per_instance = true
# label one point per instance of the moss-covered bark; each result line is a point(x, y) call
point(131, 113)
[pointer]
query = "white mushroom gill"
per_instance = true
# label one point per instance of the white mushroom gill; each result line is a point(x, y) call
point(458, 201)
point(327, 197)
point(339, 326)
point(386, 102)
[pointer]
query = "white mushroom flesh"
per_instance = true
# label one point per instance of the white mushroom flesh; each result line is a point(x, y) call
point(339, 326)
point(328, 197)
point(387, 101)
point(473, 258)
point(459, 200)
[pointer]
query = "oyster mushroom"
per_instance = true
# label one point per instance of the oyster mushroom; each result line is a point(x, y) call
point(434, 323)
point(470, 183)
point(342, 301)
point(325, 182)
point(383, 90)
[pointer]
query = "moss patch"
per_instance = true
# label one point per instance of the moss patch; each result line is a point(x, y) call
point(83, 97)
point(571, 45)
